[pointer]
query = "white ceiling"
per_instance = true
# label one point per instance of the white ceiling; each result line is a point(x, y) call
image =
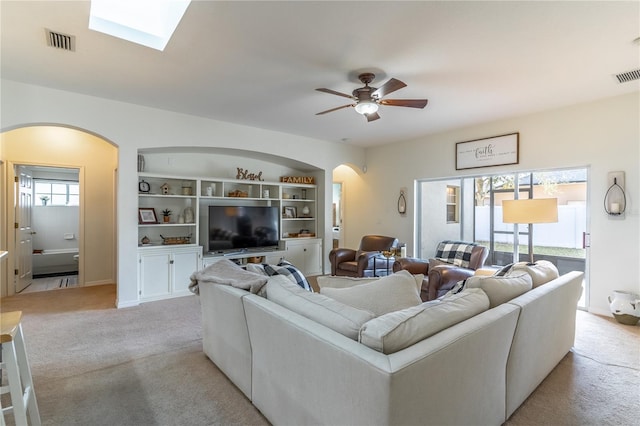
point(258, 63)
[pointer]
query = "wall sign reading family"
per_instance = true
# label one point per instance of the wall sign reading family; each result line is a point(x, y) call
point(494, 151)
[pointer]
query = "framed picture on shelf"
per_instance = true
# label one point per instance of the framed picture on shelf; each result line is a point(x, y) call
point(147, 215)
point(289, 212)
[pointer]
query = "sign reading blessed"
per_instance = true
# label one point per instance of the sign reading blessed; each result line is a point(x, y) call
point(495, 151)
point(298, 179)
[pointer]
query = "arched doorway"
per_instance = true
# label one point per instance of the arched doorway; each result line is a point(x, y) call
point(96, 159)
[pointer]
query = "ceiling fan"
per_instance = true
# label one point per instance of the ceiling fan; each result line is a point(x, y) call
point(368, 99)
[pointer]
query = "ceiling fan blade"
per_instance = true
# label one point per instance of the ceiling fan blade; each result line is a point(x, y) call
point(372, 116)
point(333, 92)
point(335, 109)
point(389, 87)
point(412, 103)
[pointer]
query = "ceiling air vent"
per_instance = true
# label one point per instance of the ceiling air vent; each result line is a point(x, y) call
point(628, 76)
point(61, 41)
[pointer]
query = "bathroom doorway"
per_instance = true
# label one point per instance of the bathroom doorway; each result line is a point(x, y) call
point(49, 225)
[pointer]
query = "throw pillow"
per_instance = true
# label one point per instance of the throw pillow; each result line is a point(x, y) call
point(541, 271)
point(398, 330)
point(501, 289)
point(387, 294)
point(226, 272)
point(288, 270)
point(335, 315)
point(455, 252)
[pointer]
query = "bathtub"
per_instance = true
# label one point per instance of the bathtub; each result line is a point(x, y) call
point(55, 261)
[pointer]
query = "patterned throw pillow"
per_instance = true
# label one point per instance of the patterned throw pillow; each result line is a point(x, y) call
point(288, 270)
point(455, 252)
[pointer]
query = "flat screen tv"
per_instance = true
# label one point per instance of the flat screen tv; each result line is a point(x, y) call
point(234, 228)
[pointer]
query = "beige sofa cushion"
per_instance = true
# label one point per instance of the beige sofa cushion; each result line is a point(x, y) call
point(335, 281)
point(501, 289)
point(541, 271)
point(387, 294)
point(331, 313)
point(397, 330)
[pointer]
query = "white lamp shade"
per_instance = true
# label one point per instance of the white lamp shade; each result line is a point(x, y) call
point(538, 210)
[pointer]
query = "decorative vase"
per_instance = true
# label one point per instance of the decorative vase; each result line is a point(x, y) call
point(625, 307)
point(166, 219)
point(188, 215)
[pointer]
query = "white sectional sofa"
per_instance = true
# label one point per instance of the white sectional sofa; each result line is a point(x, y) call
point(297, 371)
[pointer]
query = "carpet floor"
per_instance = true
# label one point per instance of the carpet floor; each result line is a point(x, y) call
point(96, 365)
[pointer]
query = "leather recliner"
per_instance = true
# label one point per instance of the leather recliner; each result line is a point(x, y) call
point(366, 261)
point(439, 276)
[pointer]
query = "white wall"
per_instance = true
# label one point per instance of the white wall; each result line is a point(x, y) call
point(133, 127)
point(604, 135)
point(51, 223)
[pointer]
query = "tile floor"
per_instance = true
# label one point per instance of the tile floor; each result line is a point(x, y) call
point(51, 283)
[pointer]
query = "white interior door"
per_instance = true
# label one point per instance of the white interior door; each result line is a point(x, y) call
point(24, 233)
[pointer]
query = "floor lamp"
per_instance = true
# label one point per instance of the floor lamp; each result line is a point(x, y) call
point(536, 210)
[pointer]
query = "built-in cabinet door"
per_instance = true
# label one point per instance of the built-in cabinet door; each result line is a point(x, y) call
point(305, 255)
point(155, 275)
point(184, 265)
point(165, 271)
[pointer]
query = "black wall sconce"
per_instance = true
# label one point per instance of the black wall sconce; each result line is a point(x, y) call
point(615, 200)
point(402, 203)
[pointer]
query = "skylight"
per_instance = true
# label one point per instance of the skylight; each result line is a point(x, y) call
point(150, 23)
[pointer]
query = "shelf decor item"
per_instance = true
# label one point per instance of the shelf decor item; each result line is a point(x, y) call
point(289, 212)
point(238, 194)
point(44, 200)
point(144, 187)
point(298, 179)
point(176, 240)
point(188, 215)
point(147, 216)
point(166, 215)
point(186, 188)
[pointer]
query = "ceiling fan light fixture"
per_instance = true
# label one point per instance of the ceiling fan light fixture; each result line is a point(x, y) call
point(366, 107)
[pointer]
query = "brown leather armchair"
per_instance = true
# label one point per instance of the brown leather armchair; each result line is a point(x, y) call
point(364, 262)
point(439, 275)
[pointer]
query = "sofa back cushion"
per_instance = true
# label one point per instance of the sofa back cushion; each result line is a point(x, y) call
point(397, 330)
point(387, 294)
point(336, 281)
point(501, 289)
point(541, 271)
point(339, 317)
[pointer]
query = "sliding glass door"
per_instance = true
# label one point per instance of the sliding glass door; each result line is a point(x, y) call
point(470, 209)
